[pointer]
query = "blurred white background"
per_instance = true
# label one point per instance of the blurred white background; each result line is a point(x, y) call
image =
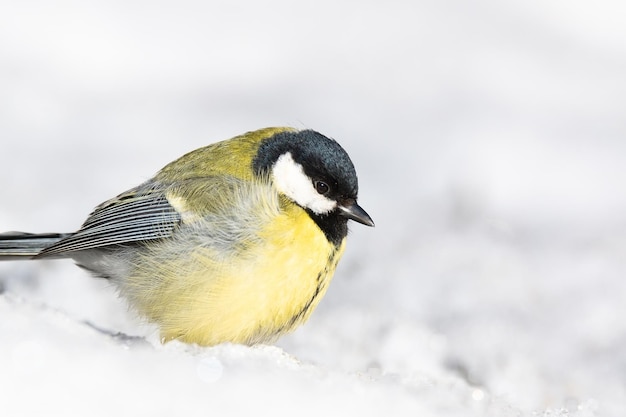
point(489, 139)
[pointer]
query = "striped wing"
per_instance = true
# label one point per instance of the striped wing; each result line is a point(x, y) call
point(140, 214)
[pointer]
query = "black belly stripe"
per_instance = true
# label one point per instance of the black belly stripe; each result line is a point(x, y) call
point(321, 283)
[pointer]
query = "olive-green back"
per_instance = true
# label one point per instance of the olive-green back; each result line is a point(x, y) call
point(233, 156)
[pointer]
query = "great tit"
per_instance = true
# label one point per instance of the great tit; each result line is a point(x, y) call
point(233, 242)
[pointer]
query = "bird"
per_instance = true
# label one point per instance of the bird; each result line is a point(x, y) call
point(234, 242)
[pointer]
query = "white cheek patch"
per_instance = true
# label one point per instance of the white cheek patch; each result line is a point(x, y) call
point(291, 180)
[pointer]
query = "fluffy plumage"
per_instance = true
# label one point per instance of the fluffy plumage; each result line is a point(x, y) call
point(224, 244)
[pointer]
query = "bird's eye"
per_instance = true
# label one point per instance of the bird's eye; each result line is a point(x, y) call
point(321, 187)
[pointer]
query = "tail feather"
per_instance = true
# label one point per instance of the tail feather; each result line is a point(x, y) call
point(23, 246)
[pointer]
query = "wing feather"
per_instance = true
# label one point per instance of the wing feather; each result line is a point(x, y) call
point(138, 215)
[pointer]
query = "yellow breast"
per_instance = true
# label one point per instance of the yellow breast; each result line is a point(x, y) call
point(267, 287)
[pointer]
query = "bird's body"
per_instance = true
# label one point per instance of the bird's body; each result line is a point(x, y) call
point(233, 242)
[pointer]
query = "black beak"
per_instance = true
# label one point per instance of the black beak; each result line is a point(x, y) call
point(353, 211)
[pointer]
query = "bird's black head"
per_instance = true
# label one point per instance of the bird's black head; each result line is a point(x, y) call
point(316, 173)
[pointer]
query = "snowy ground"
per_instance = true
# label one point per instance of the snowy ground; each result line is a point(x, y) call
point(490, 144)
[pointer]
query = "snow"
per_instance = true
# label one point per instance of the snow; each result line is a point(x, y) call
point(489, 142)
